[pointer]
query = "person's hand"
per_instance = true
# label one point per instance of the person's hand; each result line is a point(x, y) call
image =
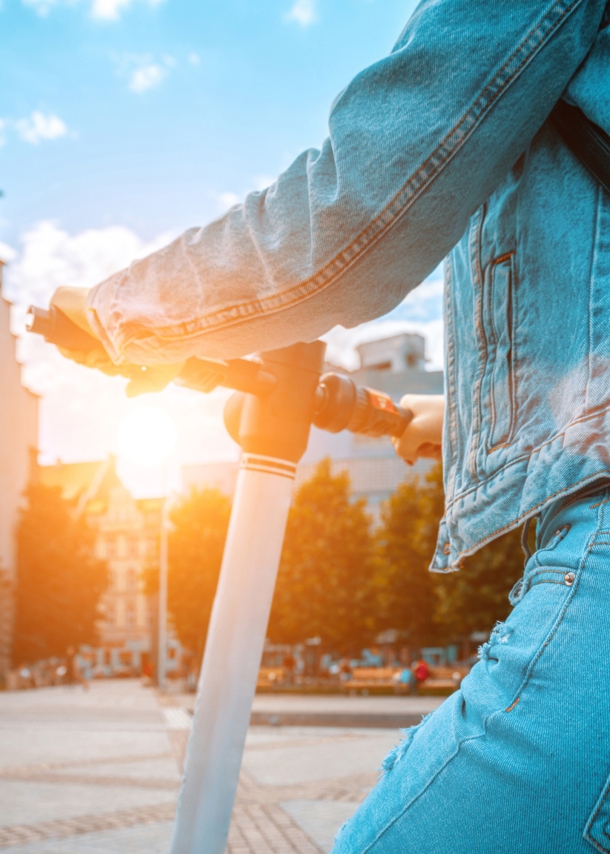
point(73, 303)
point(423, 434)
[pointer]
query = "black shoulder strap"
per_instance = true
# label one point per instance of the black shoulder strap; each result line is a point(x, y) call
point(586, 140)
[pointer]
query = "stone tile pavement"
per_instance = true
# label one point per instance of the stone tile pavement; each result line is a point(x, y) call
point(98, 772)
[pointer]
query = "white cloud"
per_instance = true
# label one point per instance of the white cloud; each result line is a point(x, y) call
point(36, 127)
point(108, 10)
point(194, 58)
point(227, 200)
point(304, 12)
point(142, 70)
point(40, 126)
point(51, 257)
point(7, 253)
point(146, 77)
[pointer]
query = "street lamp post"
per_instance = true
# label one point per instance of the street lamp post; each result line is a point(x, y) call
point(162, 643)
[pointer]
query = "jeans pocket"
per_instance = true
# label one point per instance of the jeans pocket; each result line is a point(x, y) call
point(597, 830)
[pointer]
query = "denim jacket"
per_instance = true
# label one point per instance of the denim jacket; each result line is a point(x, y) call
point(441, 147)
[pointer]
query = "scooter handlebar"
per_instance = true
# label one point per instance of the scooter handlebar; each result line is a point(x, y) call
point(340, 403)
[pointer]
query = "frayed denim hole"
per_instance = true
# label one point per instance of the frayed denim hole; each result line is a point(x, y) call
point(501, 634)
point(397, 753)
point(483, 651)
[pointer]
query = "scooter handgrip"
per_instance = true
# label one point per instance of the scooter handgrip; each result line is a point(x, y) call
point(58, 329)
point(342, 405)
point(376, 414)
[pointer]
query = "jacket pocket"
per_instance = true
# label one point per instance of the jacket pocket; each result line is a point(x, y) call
point(597, 830)
point(501, 350)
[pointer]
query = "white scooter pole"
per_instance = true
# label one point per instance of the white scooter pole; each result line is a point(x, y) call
point(238, 625)
point(233, 653)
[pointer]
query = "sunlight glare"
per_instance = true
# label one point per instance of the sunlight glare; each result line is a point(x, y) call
point(147, 435)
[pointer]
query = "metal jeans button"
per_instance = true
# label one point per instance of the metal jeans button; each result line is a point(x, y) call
point(569, 578)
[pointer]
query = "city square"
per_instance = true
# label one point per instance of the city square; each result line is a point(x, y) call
point(98, 771)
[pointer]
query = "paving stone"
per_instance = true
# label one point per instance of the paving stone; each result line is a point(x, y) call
point(97, 773)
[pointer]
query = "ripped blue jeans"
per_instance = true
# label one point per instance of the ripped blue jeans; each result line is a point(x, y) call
point(517, 760)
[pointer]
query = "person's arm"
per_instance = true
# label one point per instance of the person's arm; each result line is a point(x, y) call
point(417, 142)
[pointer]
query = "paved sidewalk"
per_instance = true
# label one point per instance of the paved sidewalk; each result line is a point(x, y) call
point(99, 771)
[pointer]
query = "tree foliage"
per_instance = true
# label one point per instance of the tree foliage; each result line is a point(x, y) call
point(339, 579)
point(325, 581)
point(406, 590)
point(59, 579)
point(196, 543)
point(430, 607)
point(476, 597)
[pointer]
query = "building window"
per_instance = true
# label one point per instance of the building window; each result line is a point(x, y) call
point(133, 547)
point(130, 614)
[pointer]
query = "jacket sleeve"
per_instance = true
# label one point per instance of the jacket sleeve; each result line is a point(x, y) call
point(416, 143)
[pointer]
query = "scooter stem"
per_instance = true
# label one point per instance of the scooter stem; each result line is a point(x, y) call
point(273, 433)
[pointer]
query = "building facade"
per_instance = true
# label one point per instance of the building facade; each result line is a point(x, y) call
point(18, 448)
point(127, 539)
point(393, 365)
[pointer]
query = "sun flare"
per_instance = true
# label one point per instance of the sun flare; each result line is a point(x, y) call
point(147, 435)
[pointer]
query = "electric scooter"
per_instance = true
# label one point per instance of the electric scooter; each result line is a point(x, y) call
point(279, 396)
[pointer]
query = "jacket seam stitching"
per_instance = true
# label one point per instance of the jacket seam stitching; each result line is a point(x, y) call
point(470, 121)
point(599, 805)
point(419, 794)
point(530, 512)
point(478, 278)
point(451, 383)
point(554, 438)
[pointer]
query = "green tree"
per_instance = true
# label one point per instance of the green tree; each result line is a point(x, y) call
point(406, 590)
point(196, 543)
point(432, 608)
point(476, 597)
point(59, 579)
point(325, 581)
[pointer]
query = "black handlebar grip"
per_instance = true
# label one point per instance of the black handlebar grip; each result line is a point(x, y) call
point(342, 405)
point(58, 329)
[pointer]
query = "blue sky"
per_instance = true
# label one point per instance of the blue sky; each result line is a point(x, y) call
point(123, 122)
point(167, 107)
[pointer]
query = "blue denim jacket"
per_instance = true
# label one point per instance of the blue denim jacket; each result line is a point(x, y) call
point(441, 147)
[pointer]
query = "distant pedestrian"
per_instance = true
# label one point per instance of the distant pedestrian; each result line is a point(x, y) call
point(421, 671)
point(405, 682)
point(74, 675)
point(289, 665)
